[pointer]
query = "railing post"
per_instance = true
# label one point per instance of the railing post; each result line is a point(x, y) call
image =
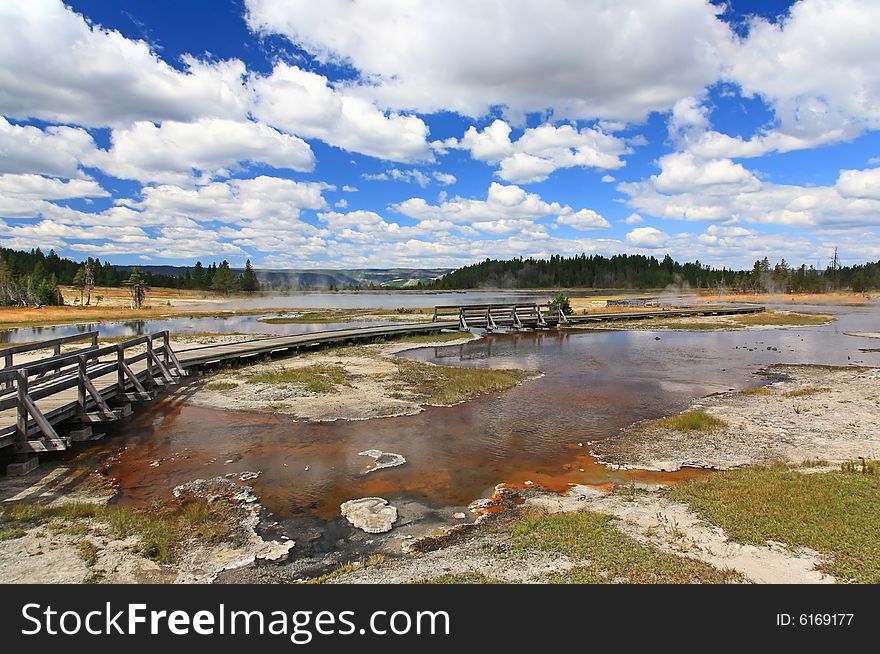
point(81, 384)
point(120, 372)
point(21, 379)
point(150, 355)
point(166, 343)
point(95, 339)
point(9, 365)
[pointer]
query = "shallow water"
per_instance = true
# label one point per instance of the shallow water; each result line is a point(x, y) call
point(183, 325)
point(388, 299)
point(594, 384)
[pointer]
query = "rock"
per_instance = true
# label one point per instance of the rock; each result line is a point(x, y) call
point(373, 515)
point(582, 492)
point(459, 516)
point(215, 489)
point(248, 475)
point(382, 460)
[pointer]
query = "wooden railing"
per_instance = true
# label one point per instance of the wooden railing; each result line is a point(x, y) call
point(27, 383)
point(8, 353)
point(492, 316)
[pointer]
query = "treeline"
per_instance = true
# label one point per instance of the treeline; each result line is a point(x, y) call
point(636, 271)
point(33, 278)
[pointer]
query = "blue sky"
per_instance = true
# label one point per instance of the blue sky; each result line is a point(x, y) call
point(340, 134)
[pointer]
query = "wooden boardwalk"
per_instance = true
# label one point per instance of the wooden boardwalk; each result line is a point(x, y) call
point(531, 316)
point(89, 385)
point(95, 384)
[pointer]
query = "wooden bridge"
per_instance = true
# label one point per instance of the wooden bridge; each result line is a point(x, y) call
point(89, 385)
point(537, 316)
point(70, 392)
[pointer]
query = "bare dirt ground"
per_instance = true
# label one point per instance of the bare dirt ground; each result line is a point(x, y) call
point(52, 552)
point(816, 412)
point(648, 518)
point(371, 375)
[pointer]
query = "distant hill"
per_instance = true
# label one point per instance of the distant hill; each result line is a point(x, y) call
point(294, 279)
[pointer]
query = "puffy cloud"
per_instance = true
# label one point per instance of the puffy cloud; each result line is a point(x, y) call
point(682, 171)
point(26, 196)
point(57, 67)
point(859, 183)
point(819, 68)
point(647, 237)
point(177, 153)
point(56, 151)
point(305, 103)
point(236, 200)
point(540, 150)
point(553, 55)
point(633, 219)
point(583, 220)
point(852, 201)
point(37, 187)
point(509, 202)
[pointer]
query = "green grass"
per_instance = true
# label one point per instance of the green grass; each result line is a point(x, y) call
point(836, 513)
point(441, 337)
point(164, 529)
point(464, 578)
point(221, 386)
point(810, 390)
point(315, 317)
point(612, 555)
point(757, 390)
point(88, 552)
point(11, 533)
point(692, 421)
point(445, 385)
point(862, 466)
point(318, 378)
point(770, 318)
point(345, 568)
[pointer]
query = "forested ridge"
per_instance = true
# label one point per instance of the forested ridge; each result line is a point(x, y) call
point(636, 271)
point(33, 278)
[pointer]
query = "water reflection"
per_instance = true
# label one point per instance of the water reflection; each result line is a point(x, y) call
point(594, 384)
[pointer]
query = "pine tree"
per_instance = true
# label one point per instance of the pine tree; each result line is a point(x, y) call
point(249, 281)
point(137, 287)
point(224, 280)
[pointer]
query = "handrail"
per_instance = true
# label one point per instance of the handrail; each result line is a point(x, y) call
point(7, 352)
point(90, 354)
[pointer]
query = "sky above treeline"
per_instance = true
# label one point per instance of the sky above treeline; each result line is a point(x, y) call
point(389, 133)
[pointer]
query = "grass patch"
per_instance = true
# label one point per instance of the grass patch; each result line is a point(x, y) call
point(315, 317)
point(862, 467)
point(221, 386)
point(11, 533)
point(810, 390)
point(88, 552)
point(345, 568)
point(464, 578)
point(782, 318)
point(318, 378)
point(614, 556)
point(757, 390)
point(693, 421)
point(163, 528)
point(445, 385)
point(836, 513)
point(441, 337)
